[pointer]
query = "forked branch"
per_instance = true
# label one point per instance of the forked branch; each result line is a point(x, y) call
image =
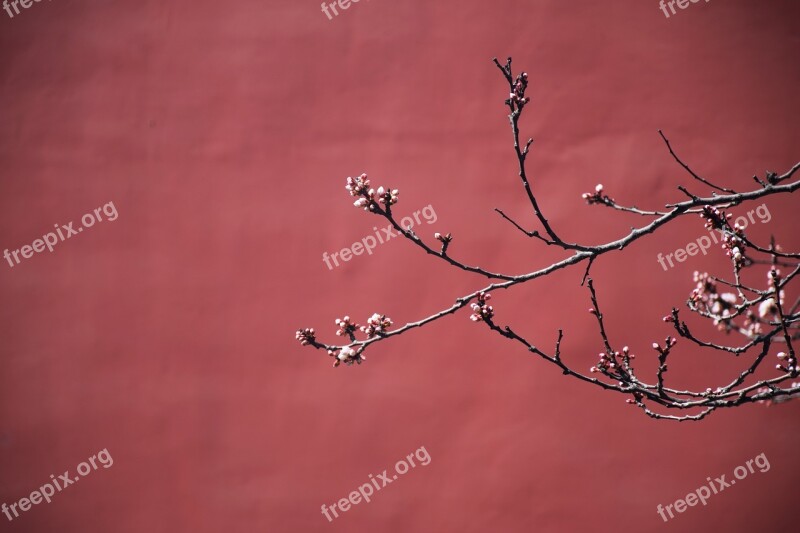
point(759, 316)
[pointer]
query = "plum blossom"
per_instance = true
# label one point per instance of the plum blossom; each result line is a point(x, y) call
point(608, 363)
point(705, 295)
point(346, 327)
point(596, 197)
point(387, 197)
point(752, 325)
point(482, 311)
point(705, 298)
point(358, 186)
point(376, 324)
point(517, 97)
point(723, 304)
point(734, 245)
point(724, 307)
point(788, 363)
point(347, 355)
point(668, 344)
point(715, 219)
point(447, 237)
point(305, 336)
point(367, 197)
point(444, 239)
point(733, 240)
point(365, 203)
point(767, 308)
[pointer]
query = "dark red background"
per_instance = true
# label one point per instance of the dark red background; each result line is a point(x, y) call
point(223, 133)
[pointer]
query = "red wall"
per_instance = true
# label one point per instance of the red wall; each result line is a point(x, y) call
point(223, 132)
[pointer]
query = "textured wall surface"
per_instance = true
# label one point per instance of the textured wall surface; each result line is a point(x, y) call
point(223, 132)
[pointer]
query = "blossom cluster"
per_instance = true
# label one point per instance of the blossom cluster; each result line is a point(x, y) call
point(367, 197)
point(788, 363)
point(597, 197)
point(668, 344)
point(722, 306)
point(752, 322)
point(734, 246)
point(376, 325)
point(715, 219)
point(305, 336)
point(347, 355)
point(481, 310)
point(444, 239)
point(346, 327)
point(768, 309)
point(706, 298)
point(609, 363)
point(733, 241)
point(517, 97)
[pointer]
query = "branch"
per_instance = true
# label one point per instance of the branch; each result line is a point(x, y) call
point(761, 318)
point(689, 170)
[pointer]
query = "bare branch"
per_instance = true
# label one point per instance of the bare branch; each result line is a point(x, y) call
point(689, 170)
